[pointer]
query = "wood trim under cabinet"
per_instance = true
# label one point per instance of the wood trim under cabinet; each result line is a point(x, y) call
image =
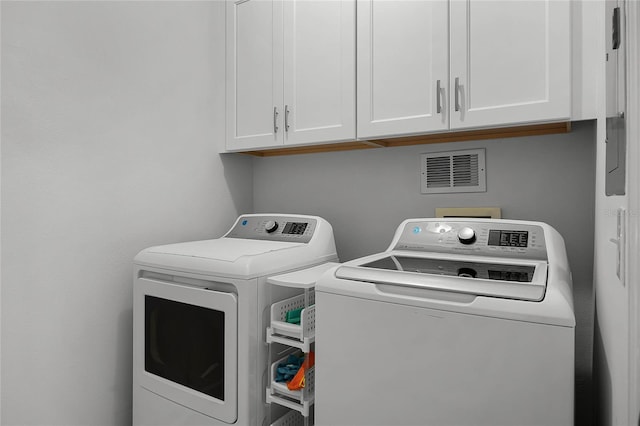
point(482, 134)
point(469, 135)
point(309, 149)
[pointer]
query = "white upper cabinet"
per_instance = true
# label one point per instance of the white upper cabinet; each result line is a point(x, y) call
point(510, 62)
point(427, 66)
point(290, 72)
point(319, 71)
point(254, 73)
point(403, 67)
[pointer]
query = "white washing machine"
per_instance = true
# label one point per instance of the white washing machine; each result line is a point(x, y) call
point(460, 322)
point(200, 312)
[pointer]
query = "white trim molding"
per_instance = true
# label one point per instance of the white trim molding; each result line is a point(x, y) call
point(633, 187)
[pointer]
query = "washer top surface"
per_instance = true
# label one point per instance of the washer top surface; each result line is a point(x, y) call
point(473, 275)
point(256, 245)
point(507, 268)
point(223, 249)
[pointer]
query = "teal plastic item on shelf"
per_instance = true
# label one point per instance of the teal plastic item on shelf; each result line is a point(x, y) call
point(287, 370)
point(293, 316)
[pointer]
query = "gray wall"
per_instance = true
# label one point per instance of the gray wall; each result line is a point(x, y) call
point(110, 116)
point(366, 194)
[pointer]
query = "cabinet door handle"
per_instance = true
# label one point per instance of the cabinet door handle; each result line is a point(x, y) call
point(286, 118)
point(457, 90)
point(275, 120)
point(438, 104)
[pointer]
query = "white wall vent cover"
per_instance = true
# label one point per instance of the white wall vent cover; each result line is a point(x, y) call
point(453, 171)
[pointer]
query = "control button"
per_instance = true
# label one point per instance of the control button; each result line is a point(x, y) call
point(416, 230)
point(271, 226)
point(467, 235)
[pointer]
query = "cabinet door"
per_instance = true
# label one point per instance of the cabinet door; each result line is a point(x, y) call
point(319, 71)
point(254, 74)
point(402, 61)
point(510, 62)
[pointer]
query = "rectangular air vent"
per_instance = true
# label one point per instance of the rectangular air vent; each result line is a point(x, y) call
point(453, 171)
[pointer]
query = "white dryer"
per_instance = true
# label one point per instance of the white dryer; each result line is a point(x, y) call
point(460, 322)
point(200, 312)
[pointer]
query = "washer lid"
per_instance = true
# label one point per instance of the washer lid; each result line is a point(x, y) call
point(522, 280)
point(224, 249)
point(257, 245)
point(228, 257)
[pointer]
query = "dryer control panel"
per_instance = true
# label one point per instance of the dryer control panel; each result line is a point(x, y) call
point(298, 229)
point(481, 238)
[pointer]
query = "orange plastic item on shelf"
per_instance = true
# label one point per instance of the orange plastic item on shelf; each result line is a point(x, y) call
point(298, 380)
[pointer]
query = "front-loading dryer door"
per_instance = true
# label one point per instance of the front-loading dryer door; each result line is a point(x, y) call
point(185, 346)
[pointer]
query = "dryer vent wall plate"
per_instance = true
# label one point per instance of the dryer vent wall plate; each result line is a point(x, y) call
point(473, 212)
point(453, 171)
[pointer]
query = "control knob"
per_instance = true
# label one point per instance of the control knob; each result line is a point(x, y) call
point(467, 235)
point(271, 226)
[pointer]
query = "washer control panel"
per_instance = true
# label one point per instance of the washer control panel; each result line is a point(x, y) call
point(489, 238)
point(274, 228)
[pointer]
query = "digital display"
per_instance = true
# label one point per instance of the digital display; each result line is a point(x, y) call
point(295, 228)
point(508, 238)
point(509, 275)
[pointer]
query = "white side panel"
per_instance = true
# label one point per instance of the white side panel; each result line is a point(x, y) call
point(633, 130)
point(387, 364)
point(402, 54)
point(254, 73)
point(319, 71)
point(512, 62)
